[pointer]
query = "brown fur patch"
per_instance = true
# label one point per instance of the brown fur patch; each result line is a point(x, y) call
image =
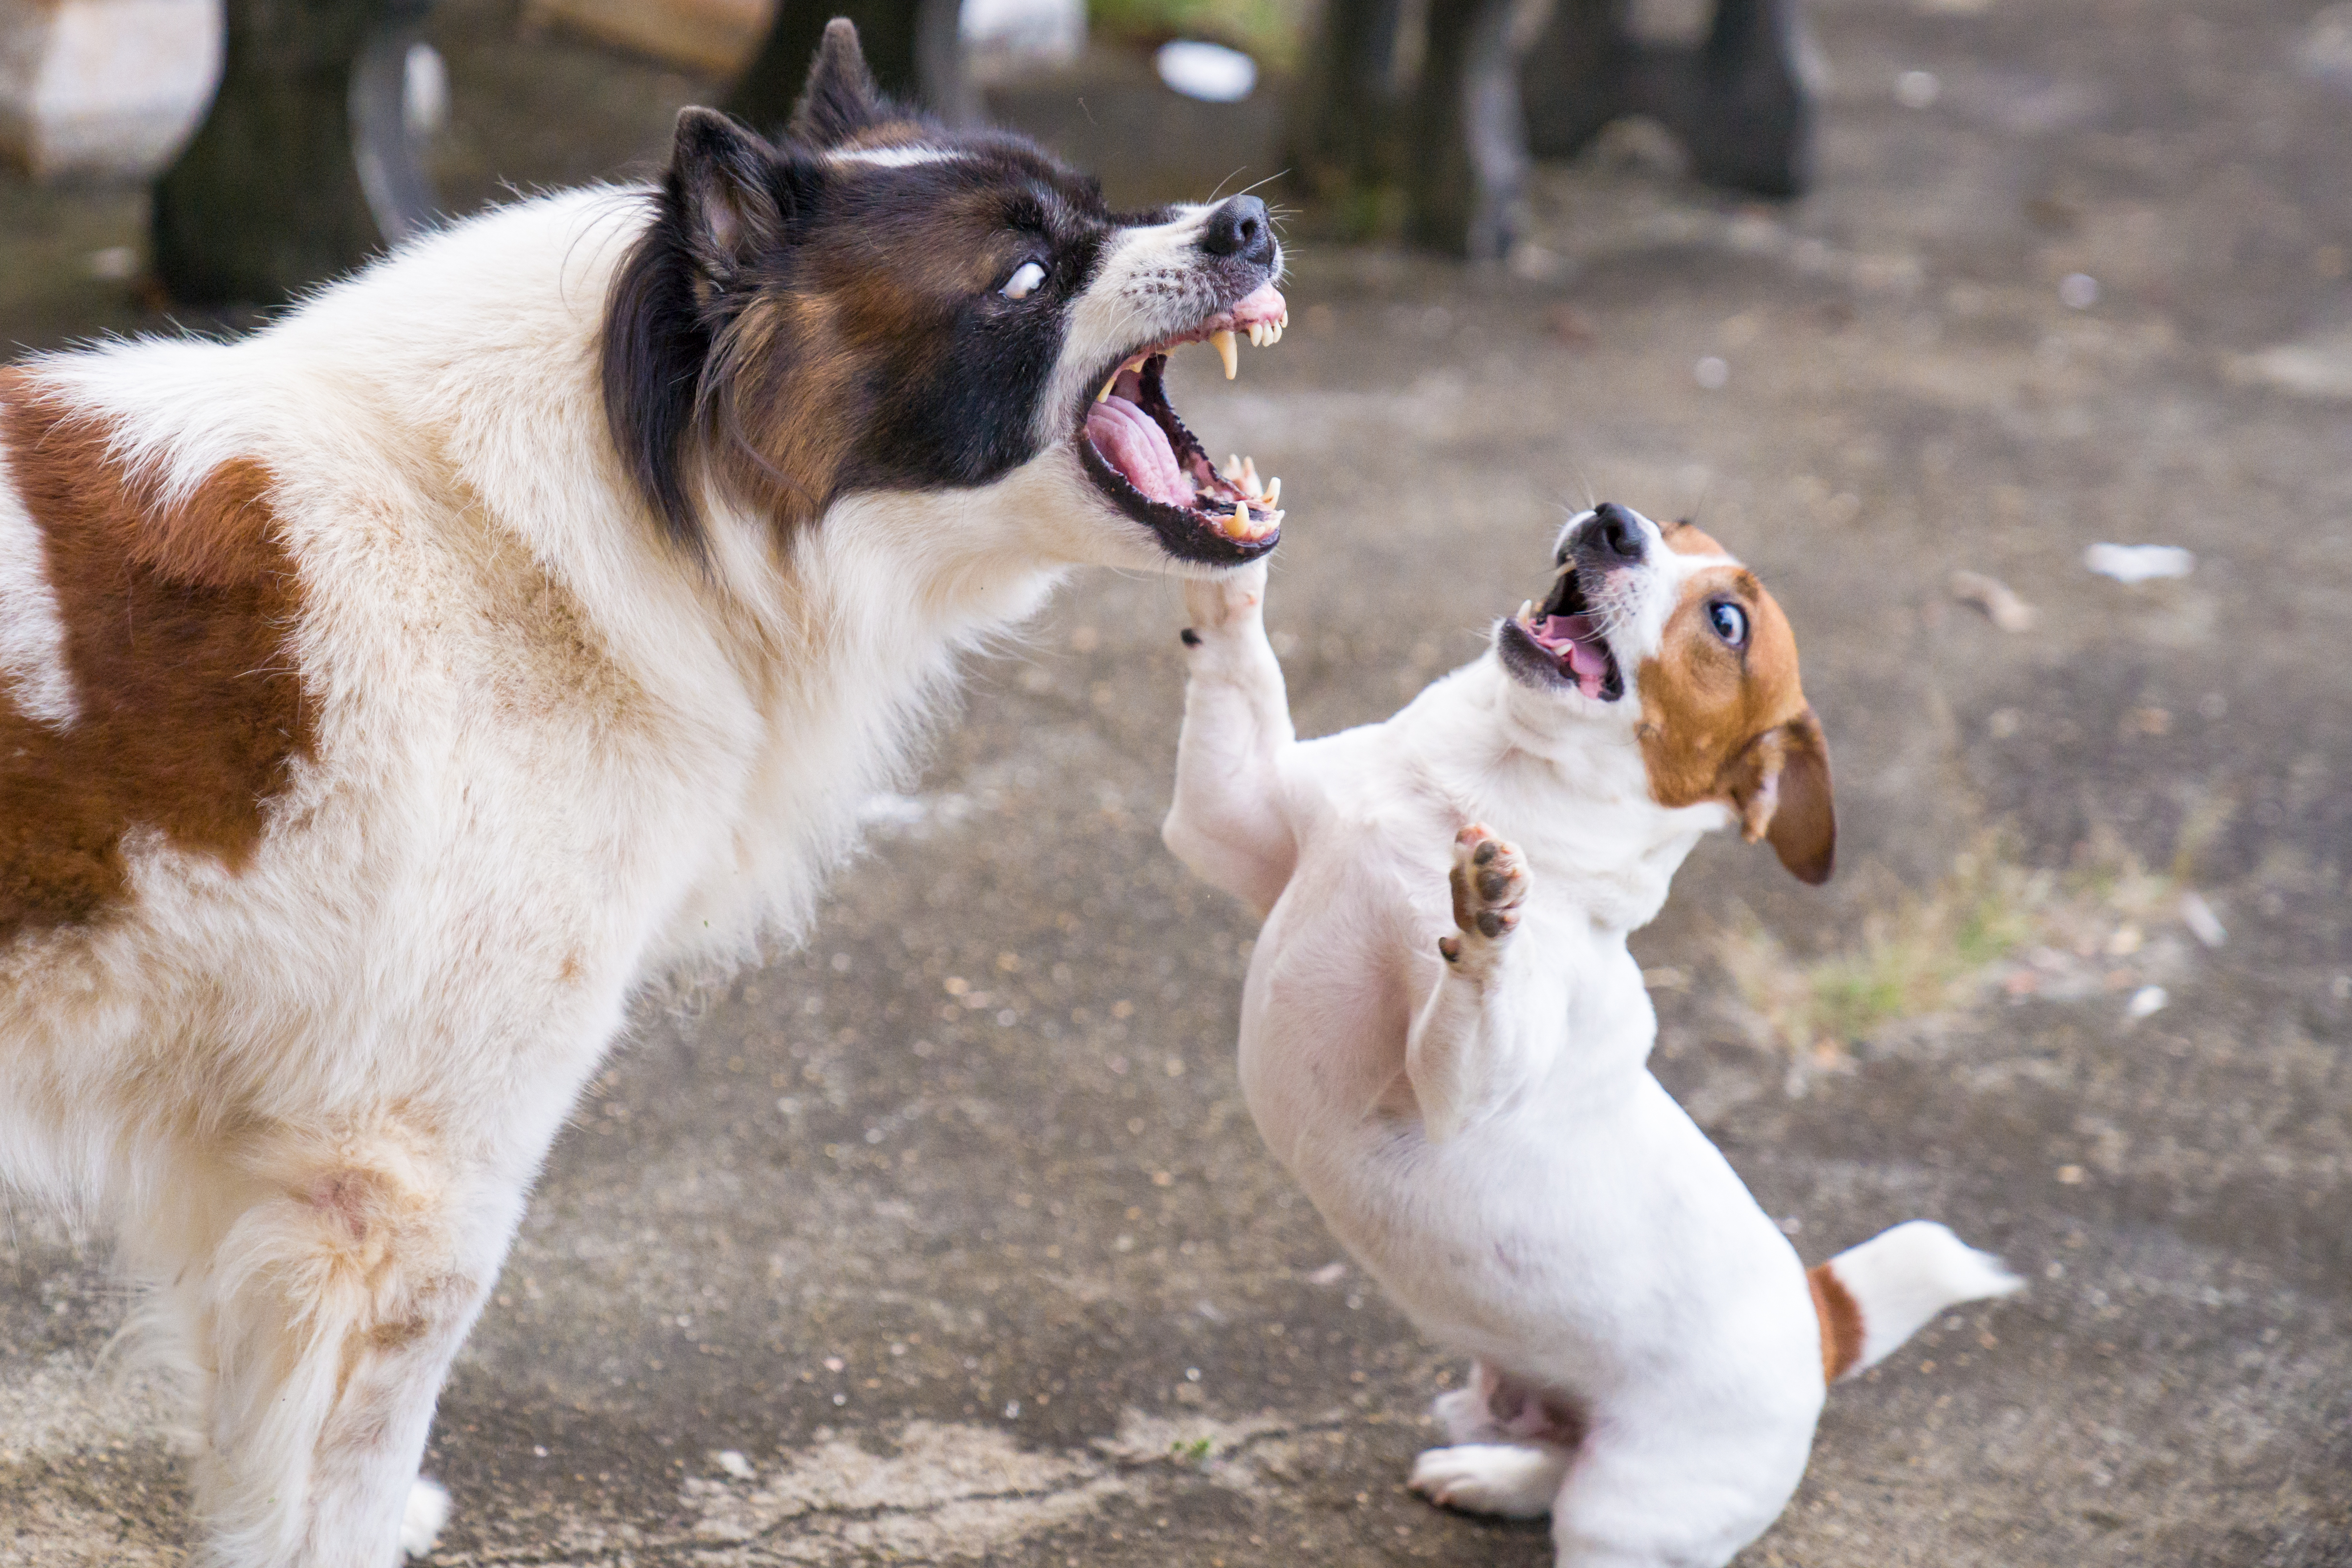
point(1841, 1319)
point(1732, 724)
point(1687, 538)
point(177, 622)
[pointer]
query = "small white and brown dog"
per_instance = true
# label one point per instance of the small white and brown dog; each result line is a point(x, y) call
point(1444, 1037)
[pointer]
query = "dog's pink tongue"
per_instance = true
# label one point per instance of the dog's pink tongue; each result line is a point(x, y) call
point(1584, 656)
point(1133, 442)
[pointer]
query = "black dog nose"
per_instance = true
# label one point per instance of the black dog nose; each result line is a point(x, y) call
point(1616, 533)
point(1239, 229)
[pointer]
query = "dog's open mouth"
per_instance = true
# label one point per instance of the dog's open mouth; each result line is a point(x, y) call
point(1154, 469)
point(1559, 642)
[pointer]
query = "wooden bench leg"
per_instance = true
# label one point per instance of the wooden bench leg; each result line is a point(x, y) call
point(1469, 158)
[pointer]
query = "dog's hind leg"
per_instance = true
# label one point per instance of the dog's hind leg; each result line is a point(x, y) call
point(1228, 822)
point(1511, 1447)
point(1511, 1480)
point(343, 1275)
point(1682, 1485)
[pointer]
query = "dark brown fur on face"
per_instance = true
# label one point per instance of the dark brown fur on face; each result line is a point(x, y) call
point(178, 622)
point(1720, 723)
point(800, 321)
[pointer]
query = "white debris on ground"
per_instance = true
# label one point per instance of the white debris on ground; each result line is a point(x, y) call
point(2202, 923)
point(2140, 563)
point(2318, 368)
point(2145, 1002)
point(2000, 602)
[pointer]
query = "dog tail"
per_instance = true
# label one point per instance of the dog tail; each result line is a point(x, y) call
point(1872, 1298)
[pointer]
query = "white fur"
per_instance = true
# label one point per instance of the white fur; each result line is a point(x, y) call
point(32, 673)
point(554, 759)
point(421, 1521)
point(1903, 1277)
point(1484, 1135)
point(895, 157)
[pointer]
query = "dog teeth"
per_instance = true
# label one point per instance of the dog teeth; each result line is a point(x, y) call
point(1273, 490)
point(1222, 341)
point(1105, 394)
point(1527, 614)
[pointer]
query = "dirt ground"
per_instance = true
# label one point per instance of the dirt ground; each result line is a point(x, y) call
point(946, 1237)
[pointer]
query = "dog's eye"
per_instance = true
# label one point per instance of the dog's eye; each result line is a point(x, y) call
point(1023, 281)
point(1730, 621)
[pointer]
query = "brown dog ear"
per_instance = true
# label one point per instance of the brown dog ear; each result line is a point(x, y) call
point(1804, 830)
point(1780, 787)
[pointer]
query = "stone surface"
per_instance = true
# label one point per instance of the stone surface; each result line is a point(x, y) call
point(103, 89)
point(933, 1221)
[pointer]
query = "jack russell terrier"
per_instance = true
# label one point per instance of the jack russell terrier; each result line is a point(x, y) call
point(1445, 1037)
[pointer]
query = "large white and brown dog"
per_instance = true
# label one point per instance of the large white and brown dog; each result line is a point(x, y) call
point(387, 695)
point(1445, 1040)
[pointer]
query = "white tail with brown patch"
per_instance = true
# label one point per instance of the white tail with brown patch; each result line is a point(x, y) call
point(1873, 1297)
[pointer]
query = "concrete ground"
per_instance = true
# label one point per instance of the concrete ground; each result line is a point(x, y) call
point(946, 1237)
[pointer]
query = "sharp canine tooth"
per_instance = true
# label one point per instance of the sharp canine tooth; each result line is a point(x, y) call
point(1105, 394)
point(1222, 341)
point(1528, 612)
point(1239, 526)
point(1273, 490)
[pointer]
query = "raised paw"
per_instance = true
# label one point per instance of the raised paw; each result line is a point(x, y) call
point(1508, 1479)
point(1225, 599)
point(1490, 881)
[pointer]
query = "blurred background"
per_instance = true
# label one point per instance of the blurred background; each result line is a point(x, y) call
point(2011, 340)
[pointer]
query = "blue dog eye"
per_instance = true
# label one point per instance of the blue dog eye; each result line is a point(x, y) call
point(1730, 621)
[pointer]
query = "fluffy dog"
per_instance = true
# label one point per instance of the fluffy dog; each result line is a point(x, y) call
point(1445, 1037)
point(385, 697)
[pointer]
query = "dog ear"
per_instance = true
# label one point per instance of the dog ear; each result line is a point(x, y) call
point(729, 187)
point(726, 204)
point(1780, 787)
point(840, 100)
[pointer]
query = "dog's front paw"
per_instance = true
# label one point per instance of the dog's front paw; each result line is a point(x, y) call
point(421, 1521)
point(1503, 1478)
point(1229, 598)
point(1490, 881)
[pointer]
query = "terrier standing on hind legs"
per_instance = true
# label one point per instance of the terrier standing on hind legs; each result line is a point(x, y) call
point(387, 695)
point(1444, 1037)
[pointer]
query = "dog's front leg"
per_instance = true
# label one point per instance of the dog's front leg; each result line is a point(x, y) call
point(1229, 823)
point(1482, 1019)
